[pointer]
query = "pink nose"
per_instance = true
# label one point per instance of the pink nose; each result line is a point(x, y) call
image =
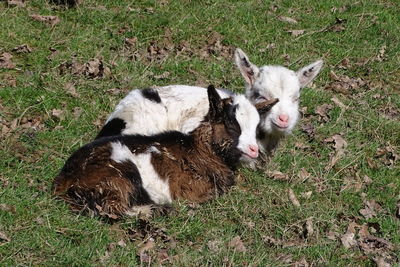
point(283, 120)
point(253, 151)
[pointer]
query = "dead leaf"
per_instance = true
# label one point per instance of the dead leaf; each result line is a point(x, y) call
point(131, 41)
point(371, 209)
point(16, 3)
point(69, 3)
point(71, 90)
point(309, 130)
point(4, 237)
point(344, 84)
point(309, 228)
point(5, 61)
point(304, 174)
point(380, 262)
point(277, 175)
point(296, 33)
point(293, 198)
point(367, 180)
point(306, 195)
point(162, 76)
point(323, 110)
point(7, 207)
point(77, 111)
point(58, 113)
point(214, 245)
point(49, 20)
point(381, 56)
point(387, 155)
point(121, 243)
point(338, 103)
point(24, 48)
point(237, 244)
point(287, 19)
point(348, 239)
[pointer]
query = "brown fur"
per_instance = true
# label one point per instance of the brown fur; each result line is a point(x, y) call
point(197, 166)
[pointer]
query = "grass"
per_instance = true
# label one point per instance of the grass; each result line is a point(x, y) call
point(192, 43)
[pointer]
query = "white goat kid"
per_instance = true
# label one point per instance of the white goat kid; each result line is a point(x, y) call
point(181, 107)
point(269, 82)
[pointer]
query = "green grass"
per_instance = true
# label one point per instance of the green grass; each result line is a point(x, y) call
point(43, 231)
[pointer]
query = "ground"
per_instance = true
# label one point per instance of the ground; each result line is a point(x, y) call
point(330, 196)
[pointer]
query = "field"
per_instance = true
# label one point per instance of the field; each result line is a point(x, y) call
point(329, 197)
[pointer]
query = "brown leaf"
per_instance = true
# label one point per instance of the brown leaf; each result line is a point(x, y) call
point(371, 209)
point(306, 195)
point(162, 76)
point(309, 228)
point(58, 113)
point(24, 48)
point(296, 33)
point(16, 3)
point(71, 89)
point(7, 207)
point(121, 243)
point(277, 175)
point(5, 61)
point(293, 198)
point(308, 129)
point(344, 84)
point(304, 174)
point(49, 20)
point(348, 239)
point(4, 237)
point(323, 110)
point(69, 3)
point(237, 244)
point(388, 155)
point(131, 41)
point(287, 19)
point(77, 111)
point(214, 245)
point(381, 56)
point(338, 102)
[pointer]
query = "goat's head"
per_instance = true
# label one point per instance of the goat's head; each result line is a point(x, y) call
point(235, 122)
point(270, 82)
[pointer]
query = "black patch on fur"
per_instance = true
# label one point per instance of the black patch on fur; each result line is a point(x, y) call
point(151, 95)
point(140, 195)
point(113, 127)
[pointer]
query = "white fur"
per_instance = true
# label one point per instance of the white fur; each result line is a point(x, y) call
point(183, 107)
point(157, 188)
point(275, 82)
point(248, 119)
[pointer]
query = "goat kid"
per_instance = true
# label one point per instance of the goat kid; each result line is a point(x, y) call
point(120, 175)
point(181, 107)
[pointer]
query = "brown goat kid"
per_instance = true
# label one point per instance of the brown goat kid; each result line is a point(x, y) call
point(121, 175)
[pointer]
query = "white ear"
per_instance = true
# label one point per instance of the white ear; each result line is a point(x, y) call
point(308, 73)
point(249, 70)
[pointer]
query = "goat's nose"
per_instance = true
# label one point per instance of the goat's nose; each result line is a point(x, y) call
point(253, 151)
point(283, 118)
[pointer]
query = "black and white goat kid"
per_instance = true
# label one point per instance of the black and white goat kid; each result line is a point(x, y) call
point(120, 175)
point(181, 107)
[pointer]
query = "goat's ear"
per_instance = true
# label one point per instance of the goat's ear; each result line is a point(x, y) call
point(215, 102)
point(265, 106)
point(308, 73)
point(248, 70)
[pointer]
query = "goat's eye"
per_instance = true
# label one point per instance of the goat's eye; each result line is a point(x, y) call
point(296, 98)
